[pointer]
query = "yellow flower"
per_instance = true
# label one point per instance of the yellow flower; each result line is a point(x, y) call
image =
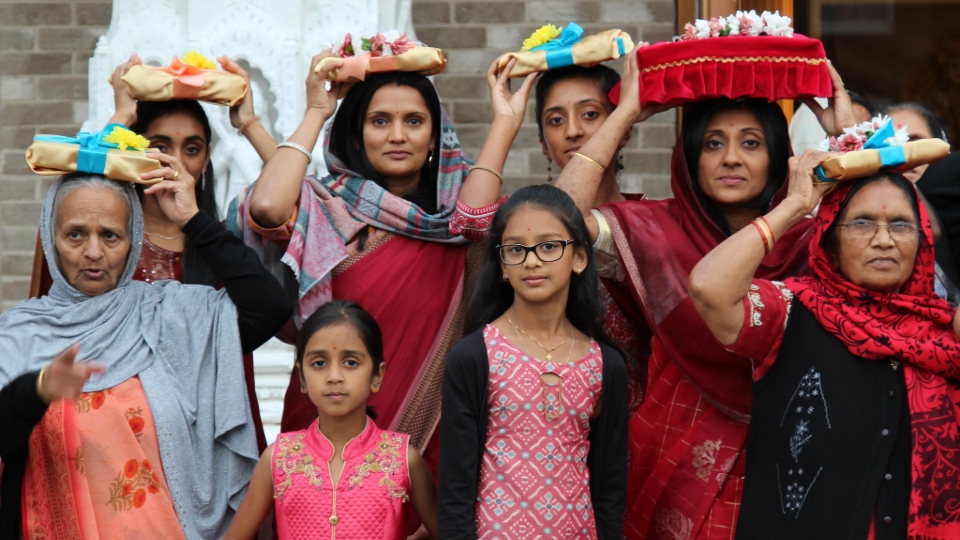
point(124, 138)
point(543, 34)
point(193, 58)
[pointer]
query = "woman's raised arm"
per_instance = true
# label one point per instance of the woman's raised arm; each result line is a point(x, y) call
point(277, 190)
point(722, 278)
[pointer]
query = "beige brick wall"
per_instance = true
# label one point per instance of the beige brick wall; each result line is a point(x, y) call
point(45, 45)
point(44, 48)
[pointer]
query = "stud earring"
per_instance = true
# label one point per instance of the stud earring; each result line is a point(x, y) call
point(430, 158)
point(549, 170)
point(505, 278)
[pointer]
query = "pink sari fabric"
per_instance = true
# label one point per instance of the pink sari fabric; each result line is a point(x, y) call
point(94, 470)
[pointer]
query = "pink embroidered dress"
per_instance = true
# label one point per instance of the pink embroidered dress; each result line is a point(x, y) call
point(534, 481)
point(369, 500)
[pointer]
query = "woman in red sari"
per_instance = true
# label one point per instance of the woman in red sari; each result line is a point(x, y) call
point(728, 167)
point(375, 231)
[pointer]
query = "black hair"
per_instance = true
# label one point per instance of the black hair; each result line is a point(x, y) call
point(933, 120)
point(604, 77)
point(346, 135)
point(774, 124)
point(492, 295)
point(343, 312)
point(195, 271)
point(830, 241)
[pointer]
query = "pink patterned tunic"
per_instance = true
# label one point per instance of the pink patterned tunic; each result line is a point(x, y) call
point(368, 500)
point(534, 481)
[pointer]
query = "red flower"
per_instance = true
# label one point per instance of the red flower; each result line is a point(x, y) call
point(127, 489)
point(131, 468)
point(346, 49)
point(152, 488)
point(136, 424)
point(376, 44)
point(154, 477)
point(96, 401)
point(402, 44)
point(139, 498)
point(146, 465)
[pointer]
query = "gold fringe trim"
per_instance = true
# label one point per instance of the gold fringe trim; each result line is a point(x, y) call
point(726, 60)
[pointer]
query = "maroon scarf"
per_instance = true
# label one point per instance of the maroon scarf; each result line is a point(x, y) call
point(913, 326)
point(660, 242)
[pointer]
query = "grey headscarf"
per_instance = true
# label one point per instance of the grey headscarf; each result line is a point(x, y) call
point(184, 344)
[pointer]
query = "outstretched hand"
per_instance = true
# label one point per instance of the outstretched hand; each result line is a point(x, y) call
point(804, 187)
point(65, 377)
point(175, 193)
point(242, 112)
point(508, 104)
point(839, 113)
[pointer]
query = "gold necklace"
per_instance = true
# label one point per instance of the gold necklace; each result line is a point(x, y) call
point(549, 351)
point(543, 393)
point(150, 235)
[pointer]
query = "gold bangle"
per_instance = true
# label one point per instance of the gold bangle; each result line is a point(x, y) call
point(602, 168)
point(766, 234)
point(244, 125)
point(40, 391)
point(489, 170)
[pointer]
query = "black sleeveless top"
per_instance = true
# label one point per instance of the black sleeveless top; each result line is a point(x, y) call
point(829, 444)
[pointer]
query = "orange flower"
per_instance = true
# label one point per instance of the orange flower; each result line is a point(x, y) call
point(152, 488)
point(146, 465)
point(154, 477)
point(131, 468)
point(139, 498)
point(97, 400)
point(127, 489)
point(136, 424)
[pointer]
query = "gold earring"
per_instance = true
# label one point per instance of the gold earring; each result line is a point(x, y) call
point(549, 170)
point(505, 278)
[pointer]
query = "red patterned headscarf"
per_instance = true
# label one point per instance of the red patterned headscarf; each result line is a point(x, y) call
point(913, 326)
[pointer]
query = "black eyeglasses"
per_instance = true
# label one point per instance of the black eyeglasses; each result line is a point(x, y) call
point(546, 251)
point(900, 231)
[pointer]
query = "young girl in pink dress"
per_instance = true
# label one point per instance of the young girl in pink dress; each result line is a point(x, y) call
point(342, 477)
point(533, 428)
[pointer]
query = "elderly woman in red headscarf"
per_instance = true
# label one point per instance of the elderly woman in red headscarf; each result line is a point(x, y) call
point(855, 368)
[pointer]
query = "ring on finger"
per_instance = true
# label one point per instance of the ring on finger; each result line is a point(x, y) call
point(176, 174)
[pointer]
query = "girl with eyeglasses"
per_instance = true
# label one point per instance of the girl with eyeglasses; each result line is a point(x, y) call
point(534, 405)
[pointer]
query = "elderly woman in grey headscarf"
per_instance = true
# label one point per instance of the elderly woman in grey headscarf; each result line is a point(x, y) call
point(151, 435)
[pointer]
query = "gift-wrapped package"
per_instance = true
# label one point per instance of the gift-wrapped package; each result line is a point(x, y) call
point(769, 67)
point(418, 59)
point(98, 153)
point(863, 163)
point(180, 80)
point(567, 49)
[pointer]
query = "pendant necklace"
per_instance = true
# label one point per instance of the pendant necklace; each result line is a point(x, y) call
point(549, 351)
point(550, 416)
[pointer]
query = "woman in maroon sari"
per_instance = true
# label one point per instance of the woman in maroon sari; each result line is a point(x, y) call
point(375, 231)
point(728, 167)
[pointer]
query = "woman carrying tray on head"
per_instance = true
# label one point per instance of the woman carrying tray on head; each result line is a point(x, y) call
point(729, 166)
point(376, 230)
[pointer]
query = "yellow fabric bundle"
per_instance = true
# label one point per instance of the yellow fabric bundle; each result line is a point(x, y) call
point(184, 81)
point(863, 163)
point(589, 51)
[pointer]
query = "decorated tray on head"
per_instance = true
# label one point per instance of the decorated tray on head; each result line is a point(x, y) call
point(115, 152)
point(552, 47)
point(742, 55)
point(192, 77)
point(875, 146)
point(381, 53)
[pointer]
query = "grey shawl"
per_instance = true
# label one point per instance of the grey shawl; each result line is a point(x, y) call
point(184, 344)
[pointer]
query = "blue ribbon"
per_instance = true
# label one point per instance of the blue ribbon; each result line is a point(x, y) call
point(560, 49)
point(891, 155)
point(92, 157)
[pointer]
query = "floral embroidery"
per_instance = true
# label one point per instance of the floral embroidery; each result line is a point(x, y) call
point(90, 401)
point(135, 419)
point(77, 460)
point(292, 460)
point(386, 460)
point(756, 306)
point(670, 523)
point(129, 489)
point(725, 469)
point(704, 456)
